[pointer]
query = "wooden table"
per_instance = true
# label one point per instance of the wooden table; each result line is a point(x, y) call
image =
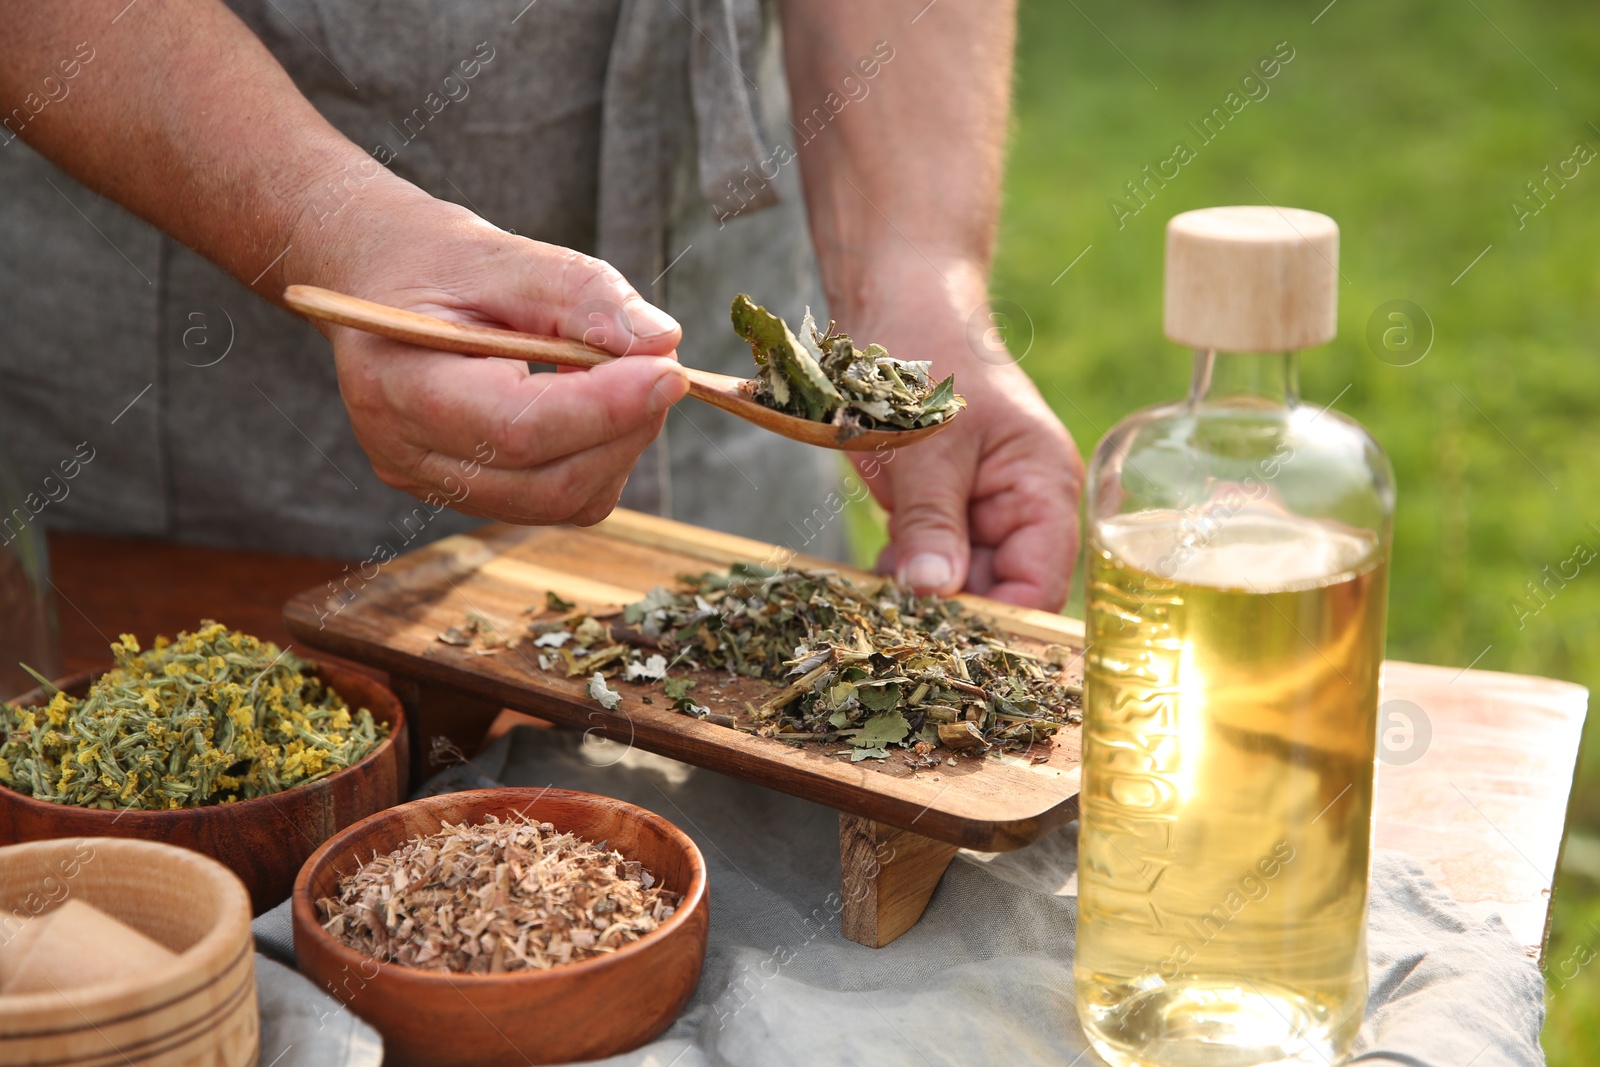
point(1482, 809)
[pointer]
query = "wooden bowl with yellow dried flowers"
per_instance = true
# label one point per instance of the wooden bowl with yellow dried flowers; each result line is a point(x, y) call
point(216, 742)
point(484, 894)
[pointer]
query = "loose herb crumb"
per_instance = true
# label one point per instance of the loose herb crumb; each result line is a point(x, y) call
point(608, 697)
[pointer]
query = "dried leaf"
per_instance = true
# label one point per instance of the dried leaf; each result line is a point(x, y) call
point(823, 377)
point(677, 688)
point(609, 698)
point(591, 631)
point(888, 728)
point(962, 736)
point(459, 636)
point(652, 669)
point(879, 697)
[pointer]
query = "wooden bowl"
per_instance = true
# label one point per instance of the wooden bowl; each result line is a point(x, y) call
point(265, 840)
point(196, 1011)
point(597, 1007)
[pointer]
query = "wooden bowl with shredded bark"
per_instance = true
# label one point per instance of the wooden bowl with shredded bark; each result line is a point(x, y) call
point(593, 1007)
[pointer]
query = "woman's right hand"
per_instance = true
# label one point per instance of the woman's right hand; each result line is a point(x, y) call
point(554, 448)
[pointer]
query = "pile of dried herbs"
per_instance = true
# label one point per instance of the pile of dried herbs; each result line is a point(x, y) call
point(211, 717)
point(823, 377)
point(507, 895)
point(874, 668)
point(871, 668)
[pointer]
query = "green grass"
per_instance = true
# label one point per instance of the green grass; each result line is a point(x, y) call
point(1413, 125)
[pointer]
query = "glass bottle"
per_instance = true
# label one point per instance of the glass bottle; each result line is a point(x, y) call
point(27, 607)
point(1238, 545)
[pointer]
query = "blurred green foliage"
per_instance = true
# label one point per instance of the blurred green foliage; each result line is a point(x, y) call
point(1414, 125)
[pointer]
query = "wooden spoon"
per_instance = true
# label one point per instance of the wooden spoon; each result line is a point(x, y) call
point(719, 390)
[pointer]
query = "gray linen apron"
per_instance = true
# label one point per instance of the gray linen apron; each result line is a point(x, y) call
point(610, 126)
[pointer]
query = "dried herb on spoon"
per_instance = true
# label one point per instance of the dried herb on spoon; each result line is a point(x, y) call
point(823, 377)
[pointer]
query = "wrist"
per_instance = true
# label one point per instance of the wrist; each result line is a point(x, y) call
point(340, 218)
point(938, 310)
point(930, 282)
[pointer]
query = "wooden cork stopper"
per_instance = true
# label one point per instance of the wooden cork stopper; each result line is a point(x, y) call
point(1252, 279)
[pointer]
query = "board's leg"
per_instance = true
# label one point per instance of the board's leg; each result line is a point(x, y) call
point(435, 712)
point(886, 878)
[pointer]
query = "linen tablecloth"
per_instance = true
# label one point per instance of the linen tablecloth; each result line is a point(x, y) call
point(985, 976)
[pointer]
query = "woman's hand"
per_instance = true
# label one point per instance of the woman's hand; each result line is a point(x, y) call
point(560, 446)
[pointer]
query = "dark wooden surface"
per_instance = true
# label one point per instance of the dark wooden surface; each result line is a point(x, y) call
point(107, 586)
point(598, 1007)
point(393, 621)
point(436, 715)
point(263, 841)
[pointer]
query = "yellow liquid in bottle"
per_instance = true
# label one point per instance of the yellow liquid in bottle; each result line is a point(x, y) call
point(1231, 698)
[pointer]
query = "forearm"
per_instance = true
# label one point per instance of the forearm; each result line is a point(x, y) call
point(181, 115)
point(903, 190)
point(903, 185)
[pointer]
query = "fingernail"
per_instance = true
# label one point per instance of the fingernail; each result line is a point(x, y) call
point(668, 390)
point(646, 320)
point(928, 572)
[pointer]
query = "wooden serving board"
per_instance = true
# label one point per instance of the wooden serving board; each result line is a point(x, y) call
point(992, 803)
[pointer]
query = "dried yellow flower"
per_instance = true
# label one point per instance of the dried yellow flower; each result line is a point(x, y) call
point(203, 719)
